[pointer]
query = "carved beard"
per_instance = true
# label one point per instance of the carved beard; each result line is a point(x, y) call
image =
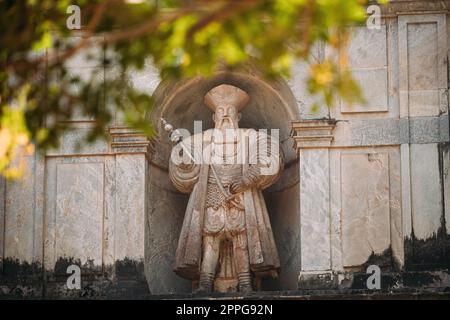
point(226, 123)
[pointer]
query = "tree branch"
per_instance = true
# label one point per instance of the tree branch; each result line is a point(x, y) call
point(229, 9)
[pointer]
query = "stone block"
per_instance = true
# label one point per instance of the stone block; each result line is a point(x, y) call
point(317, 280)
point(19, 215)
point(367, 48)
point(445, 149)
point(314, 209)
point(131, 171)
point(368, 61)
point(365, 206)
point(79, 212)
point(73, 142)
point(426, 202)
point(93, 56)
point(422, 56)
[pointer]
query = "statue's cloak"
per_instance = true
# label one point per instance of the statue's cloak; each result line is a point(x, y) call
point(263, 255)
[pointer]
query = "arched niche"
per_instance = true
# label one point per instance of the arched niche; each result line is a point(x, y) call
point(272, 106)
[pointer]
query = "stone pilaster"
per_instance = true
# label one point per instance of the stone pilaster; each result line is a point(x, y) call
point(131, 149)
point(421, 102)
point(313, 139)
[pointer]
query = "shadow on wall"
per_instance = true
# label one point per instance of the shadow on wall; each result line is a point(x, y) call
point(272, 106)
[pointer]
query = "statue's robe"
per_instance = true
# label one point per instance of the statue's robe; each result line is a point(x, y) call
point(263, 255)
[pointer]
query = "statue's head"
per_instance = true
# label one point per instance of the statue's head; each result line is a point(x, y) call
point(226, 101)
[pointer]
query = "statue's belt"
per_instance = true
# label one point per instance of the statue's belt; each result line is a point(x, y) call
point(226, 192)
point(227, 179)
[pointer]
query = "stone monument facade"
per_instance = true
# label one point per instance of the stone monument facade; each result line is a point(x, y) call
point(360, 185)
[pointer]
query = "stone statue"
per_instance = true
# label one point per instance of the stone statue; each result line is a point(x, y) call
point(226, 242)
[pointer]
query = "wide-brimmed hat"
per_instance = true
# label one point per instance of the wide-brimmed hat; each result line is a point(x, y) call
point(226, 94)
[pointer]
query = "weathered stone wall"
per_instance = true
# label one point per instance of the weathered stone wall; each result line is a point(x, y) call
point(377, 191)
point(364, 184)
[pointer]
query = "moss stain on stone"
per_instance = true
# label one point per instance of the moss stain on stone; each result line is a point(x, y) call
point(124, 279)
point(432, 253)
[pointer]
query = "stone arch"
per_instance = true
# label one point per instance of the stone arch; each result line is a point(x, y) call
point(272, 106)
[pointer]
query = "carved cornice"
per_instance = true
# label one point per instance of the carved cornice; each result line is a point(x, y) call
point(396, 7)
point(127, 140)
point(313, 133)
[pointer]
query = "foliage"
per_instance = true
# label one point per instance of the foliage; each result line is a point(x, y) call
point(39, 93)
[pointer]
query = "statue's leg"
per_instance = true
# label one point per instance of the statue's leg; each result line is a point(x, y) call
point(242, 262)
point(211, 245)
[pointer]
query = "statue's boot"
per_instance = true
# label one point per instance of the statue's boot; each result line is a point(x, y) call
point(205, 283)
point(245, 282)
point(242, 263)
point(209, 263)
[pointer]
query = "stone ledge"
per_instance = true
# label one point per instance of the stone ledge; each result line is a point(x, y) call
point(394, 285)
point(371, 132)
point(406, 280)
point(128, 140)
point(318, 295)
point(396, 7)
point(313, 133)
point(131, 291)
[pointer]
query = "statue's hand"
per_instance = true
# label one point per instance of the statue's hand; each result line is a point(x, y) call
point(186, 166)
point(249, 180)
point(237, 187)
